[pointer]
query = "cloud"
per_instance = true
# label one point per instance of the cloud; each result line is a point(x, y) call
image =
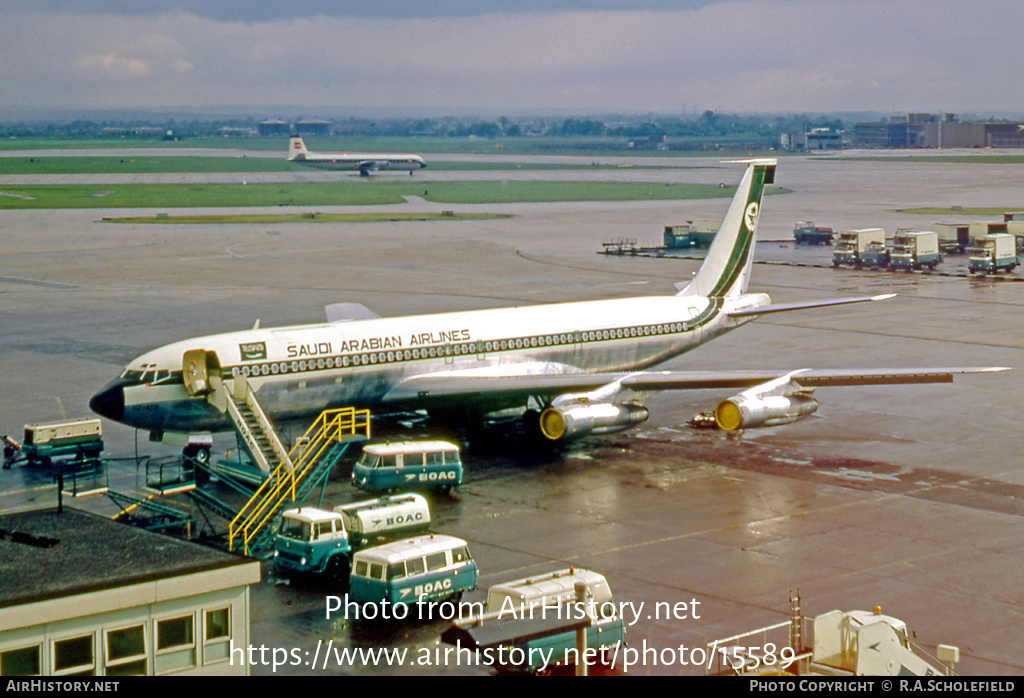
point(736, 55)
point(113, 66)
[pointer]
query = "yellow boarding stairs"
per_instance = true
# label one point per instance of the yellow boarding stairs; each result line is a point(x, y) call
point(292, 473)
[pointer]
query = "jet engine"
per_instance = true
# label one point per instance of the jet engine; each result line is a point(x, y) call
point(567, 421)
point(779, 401)
point(738, 413)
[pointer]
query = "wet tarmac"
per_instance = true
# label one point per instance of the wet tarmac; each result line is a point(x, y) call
point(904, 497)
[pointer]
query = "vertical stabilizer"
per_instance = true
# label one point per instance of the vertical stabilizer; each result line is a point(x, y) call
point(297, 148)
point(726, 268)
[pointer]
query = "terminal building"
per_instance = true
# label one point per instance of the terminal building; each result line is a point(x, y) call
point(81, 595)
point(937, 131)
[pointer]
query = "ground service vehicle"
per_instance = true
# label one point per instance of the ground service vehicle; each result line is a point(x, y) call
point(408, 465)
point(993, 253)
point(858, 248)
point(426, 568)
point(554, 595)
point(806, 233)
point(915, 250)
point(317, 540)
point(78, 439)
point(953, 237)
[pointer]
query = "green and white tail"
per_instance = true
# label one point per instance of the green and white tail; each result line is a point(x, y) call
point(726, 269)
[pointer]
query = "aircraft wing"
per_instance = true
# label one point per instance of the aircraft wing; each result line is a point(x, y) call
point(553, 380)
point(346, 312)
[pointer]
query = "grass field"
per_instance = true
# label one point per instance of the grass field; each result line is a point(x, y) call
point(980, 159)
point(988, 211)
point(270, 218)
point(356, 192)
point(100, 164)
point(589, 147)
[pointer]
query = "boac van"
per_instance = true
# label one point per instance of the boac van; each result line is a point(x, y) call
point(425, 568)
point(553, 595)
point(408, 465)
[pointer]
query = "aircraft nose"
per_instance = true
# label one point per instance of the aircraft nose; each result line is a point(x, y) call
point(109, 402)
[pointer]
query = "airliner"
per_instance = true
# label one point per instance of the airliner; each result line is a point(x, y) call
point(569, 369)
point(364, 162)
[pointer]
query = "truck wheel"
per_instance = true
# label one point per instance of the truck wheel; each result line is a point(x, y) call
point(337, 567)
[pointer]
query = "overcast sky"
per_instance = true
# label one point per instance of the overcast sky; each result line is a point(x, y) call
point(494, 56)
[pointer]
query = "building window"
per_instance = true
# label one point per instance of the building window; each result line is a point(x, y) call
point(175, 644)
point(126, 651)
point(74, 656)
point(23, 661)
point(217, 639)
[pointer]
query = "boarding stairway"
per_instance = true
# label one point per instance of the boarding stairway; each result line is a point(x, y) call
point(254, 427)
point(292, 474)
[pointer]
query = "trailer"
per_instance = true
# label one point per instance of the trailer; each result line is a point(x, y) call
point(78, 440)
point(806, 233)
point(915, 250)
point(678, 237)
point(992, 254)
point(859, 248)
point(954, 238)
point(702, 232)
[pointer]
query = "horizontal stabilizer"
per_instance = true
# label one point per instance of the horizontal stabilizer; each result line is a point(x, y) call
point(785, 307)
point(346, 312)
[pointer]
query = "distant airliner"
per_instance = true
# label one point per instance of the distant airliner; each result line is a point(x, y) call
point(571, 368)
point(364, 162)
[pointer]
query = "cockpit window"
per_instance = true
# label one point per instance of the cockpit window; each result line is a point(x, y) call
point(133, 376)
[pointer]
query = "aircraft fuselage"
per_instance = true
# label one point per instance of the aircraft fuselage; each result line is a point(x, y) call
point(298, 371)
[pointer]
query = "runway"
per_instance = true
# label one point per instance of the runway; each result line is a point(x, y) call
point(910, 498)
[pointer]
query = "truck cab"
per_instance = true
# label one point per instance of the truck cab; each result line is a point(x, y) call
point(312, 540)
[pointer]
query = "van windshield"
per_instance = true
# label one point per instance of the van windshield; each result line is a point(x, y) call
point(293, 528)
point(368, 460)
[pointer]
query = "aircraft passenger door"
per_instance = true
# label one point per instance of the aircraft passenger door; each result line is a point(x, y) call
point(577, 343)
point(200, 371)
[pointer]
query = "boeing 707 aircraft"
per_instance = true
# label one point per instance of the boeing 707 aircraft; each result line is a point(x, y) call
point(364, 162)
point(572, 368)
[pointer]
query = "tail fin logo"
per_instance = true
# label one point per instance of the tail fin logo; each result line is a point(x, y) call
point(750, 215)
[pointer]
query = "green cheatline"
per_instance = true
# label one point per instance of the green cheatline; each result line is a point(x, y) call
point(311, 217)
point(960, 211)
point(355, 192)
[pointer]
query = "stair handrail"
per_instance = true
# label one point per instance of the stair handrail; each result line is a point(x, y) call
point(330, 425)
